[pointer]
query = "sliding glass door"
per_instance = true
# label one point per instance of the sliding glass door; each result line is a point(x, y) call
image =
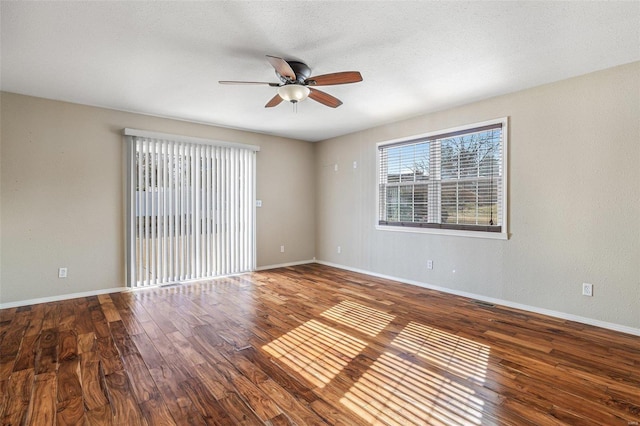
point(190, 208)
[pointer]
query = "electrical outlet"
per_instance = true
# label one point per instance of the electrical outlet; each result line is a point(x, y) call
point(258, 203)
point(339, 249)
point(281, 249)
point(587, 289)
point(429, 264)
point(62, 272)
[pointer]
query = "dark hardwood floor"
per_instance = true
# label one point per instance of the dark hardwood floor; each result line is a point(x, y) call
point(308, 345)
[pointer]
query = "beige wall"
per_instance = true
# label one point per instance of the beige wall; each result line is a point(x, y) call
point(574, 210)
point(62, 195)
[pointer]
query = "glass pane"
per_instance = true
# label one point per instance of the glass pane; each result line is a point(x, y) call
point(487, 202)
point(392, 213)
point(489, 161)
point(421, 193)
point(477, 154)
point(392, 195)
point(467, 203)
point(406, 212)
point(393, 165)
point(392, 204)
point(406, 194)
point(469, 146)
point(406, 203)
point(449, 157)
point(470, 203)
point(421, 213)
point(421, 161)
point(449, 209)
point(407, 163)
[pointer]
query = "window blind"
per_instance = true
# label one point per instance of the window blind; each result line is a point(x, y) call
point(447, 180)
point(191, 211)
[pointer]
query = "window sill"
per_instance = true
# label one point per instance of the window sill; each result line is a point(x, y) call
point(451, 232)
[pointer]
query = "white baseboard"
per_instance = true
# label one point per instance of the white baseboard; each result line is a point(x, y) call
point(534, 309)
point(60, 297)
point(284, 265)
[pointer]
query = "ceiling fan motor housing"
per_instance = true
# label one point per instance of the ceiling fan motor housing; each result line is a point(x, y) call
point(301, 70)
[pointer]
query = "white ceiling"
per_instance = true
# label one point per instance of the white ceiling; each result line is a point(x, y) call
point(165, 58)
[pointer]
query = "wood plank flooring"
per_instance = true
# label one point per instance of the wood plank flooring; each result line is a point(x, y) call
point(308, 345)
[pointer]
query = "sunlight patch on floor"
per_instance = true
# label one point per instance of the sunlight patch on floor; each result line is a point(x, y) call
point(316, 351)
point(397, 391)
point(367, 320)
point(457, 355)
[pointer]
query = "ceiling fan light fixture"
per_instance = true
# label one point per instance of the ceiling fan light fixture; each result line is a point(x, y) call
point(293, 92)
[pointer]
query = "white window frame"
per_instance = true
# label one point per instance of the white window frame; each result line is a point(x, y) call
point(434, 209)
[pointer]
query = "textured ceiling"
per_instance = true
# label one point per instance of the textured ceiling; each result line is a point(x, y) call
point(165, 58)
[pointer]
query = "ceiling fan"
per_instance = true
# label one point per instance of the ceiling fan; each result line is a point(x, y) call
point(296, 84)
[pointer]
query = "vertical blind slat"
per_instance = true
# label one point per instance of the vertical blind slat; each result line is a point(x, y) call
point(192, 212)
point(232, 210)
point(196, 211)
point(153, 212)
point(218, 231)
point(146, 217)
point(138, 189)
point(167, 214)
point(207, 253)
point(227, 212)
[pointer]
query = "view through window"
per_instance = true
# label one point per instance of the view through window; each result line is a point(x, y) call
point(451, 180)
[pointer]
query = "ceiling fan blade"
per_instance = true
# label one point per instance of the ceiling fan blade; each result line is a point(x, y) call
point(283, 68)
point(249, 83)
point(344, 77)
point(324, 98)
point(274, 101)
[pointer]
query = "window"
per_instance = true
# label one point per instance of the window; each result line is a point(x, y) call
point(446, 182)
point(190, 208)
